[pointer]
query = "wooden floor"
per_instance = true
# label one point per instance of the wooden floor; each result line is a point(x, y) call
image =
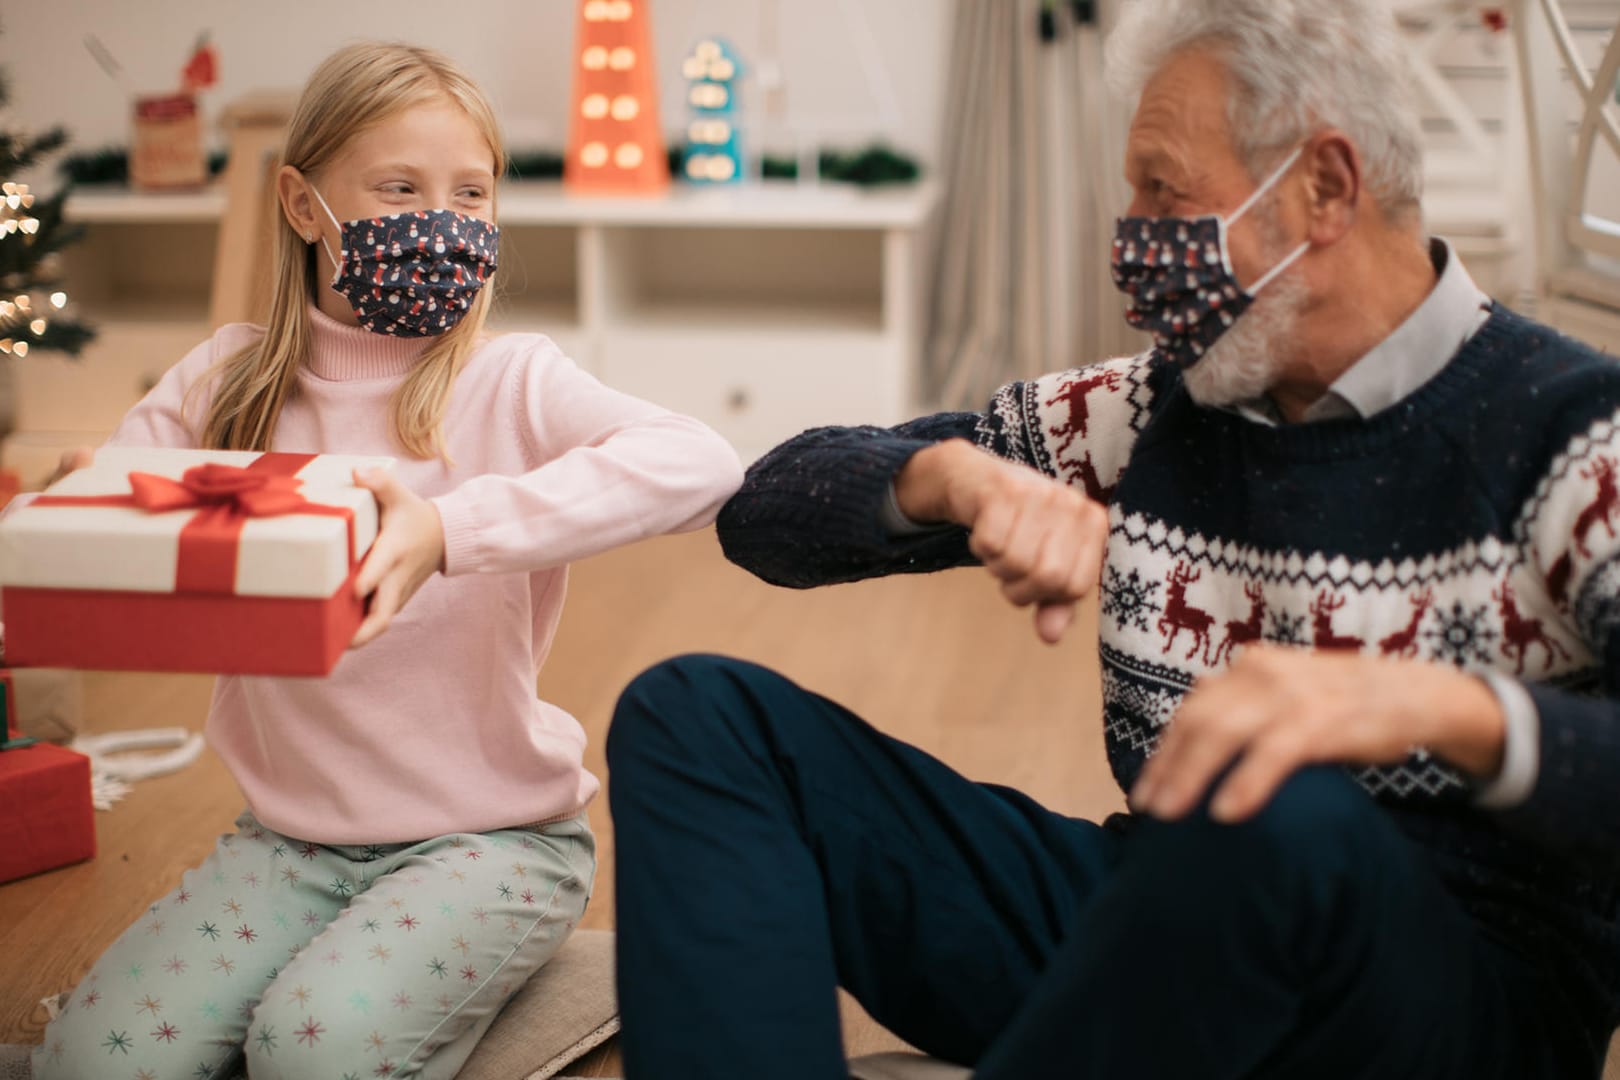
point(940, 661)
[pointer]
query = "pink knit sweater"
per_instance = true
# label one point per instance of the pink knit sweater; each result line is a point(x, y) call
point(435, 728)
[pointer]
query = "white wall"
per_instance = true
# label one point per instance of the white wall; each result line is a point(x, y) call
point(519, 50)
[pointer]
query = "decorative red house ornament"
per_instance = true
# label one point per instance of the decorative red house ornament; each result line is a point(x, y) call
point(615, 143)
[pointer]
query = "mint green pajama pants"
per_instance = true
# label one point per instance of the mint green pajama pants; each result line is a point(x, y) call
point(325, 962)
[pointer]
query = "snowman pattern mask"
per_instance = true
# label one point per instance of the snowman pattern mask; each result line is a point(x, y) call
point(415, 273)
point(1177, 273)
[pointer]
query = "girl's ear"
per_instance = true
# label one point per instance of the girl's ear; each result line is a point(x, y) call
point(298, 204)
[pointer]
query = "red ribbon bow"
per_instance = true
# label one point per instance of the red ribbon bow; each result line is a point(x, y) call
point(225, 497)
point(247, 493)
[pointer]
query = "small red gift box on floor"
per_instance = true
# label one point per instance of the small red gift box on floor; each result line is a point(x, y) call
point(212, 561)
point(46, 819)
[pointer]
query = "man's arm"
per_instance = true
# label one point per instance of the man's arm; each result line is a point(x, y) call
point(1042, 539)
point(811, 511)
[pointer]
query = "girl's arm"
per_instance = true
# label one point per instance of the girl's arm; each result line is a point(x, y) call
point(613, 469)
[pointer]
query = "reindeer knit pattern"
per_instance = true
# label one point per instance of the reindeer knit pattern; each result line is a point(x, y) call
point(1475, 523)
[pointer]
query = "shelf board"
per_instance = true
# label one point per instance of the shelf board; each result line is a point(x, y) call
point(762, 205)
point(698, 318)
point(780, 205)
point(116, 203)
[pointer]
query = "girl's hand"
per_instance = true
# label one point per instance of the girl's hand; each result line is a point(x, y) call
point(72, 460)
point(408, 549)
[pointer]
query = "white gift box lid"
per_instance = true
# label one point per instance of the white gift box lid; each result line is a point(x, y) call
point(133, 550)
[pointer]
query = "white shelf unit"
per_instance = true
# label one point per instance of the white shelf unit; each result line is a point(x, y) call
point(761, 310)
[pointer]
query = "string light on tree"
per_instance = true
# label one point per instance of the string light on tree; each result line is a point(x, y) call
point(614, 142)
point(32, 236)
point(25, 323)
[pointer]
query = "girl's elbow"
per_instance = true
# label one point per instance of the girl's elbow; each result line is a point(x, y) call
point(725, 468)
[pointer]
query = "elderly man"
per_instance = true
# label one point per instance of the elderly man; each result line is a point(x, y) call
point(1359, 581)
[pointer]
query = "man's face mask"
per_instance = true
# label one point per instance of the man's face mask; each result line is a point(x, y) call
point(412, 274)
point(1178, 275)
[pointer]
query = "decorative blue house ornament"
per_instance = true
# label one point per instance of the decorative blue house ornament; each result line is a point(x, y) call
point(713, 142)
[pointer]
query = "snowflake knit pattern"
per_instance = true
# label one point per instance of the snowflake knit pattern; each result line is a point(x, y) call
point(1474, 524)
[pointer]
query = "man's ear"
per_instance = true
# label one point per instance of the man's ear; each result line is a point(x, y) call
point(1333, 185)
point(298, 203)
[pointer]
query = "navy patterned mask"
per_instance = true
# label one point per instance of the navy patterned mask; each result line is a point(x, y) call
point(412, 274)
point(1178, 275)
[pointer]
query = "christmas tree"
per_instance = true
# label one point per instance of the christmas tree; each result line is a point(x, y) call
point(32, 234)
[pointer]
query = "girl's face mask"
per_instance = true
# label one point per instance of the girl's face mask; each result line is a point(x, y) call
point(1178, 275)
point(412, 274)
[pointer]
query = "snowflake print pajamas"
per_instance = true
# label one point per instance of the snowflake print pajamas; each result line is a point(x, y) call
point(326, 961)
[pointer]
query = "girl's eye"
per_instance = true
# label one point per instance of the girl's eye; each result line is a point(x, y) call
point(397, 188)
point(473, 194)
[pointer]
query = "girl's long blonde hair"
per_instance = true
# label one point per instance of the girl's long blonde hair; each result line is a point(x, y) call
point(353, 89)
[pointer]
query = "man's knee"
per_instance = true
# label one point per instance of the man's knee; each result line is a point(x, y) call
point(1314, 807)
point(1319, 822)
point(679, 700)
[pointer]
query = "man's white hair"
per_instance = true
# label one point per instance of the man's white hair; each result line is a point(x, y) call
point(1296, 66)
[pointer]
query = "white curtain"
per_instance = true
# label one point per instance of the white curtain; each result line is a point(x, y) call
point(1032, 174)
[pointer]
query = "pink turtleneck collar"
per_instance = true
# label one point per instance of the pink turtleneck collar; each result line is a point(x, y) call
point(342, 353)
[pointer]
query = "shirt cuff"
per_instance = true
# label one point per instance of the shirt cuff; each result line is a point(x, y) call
point(1521, 745)
point(895, 521)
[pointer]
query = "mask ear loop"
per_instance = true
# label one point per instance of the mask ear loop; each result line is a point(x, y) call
point(1271, 274)
point(1259, 192)
point(1248, 204)
point(337, 263)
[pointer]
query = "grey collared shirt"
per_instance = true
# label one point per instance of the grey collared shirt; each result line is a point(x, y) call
point(1452, 313)
point(1416, 352)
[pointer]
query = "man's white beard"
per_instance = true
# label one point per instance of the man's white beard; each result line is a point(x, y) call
point(1244, 361)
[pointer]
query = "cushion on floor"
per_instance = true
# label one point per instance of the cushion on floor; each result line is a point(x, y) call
point(900, 1066)
point(567, 1010)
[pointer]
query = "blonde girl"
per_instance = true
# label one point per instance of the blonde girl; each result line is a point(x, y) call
point(415, 844)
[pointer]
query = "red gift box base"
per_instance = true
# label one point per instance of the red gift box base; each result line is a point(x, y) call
point(46, 819)
point(211, 634)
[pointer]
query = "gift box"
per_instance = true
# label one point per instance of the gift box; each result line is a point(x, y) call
point(46, 818)
point(166, 150)
point(189, 560)
point(50, 702)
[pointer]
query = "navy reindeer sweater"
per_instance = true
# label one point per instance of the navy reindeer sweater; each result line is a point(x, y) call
point(1474, 523)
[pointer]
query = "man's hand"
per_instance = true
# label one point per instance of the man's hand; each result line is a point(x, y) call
point(408, 549)
point(1042, 539)
point(1277, 710)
